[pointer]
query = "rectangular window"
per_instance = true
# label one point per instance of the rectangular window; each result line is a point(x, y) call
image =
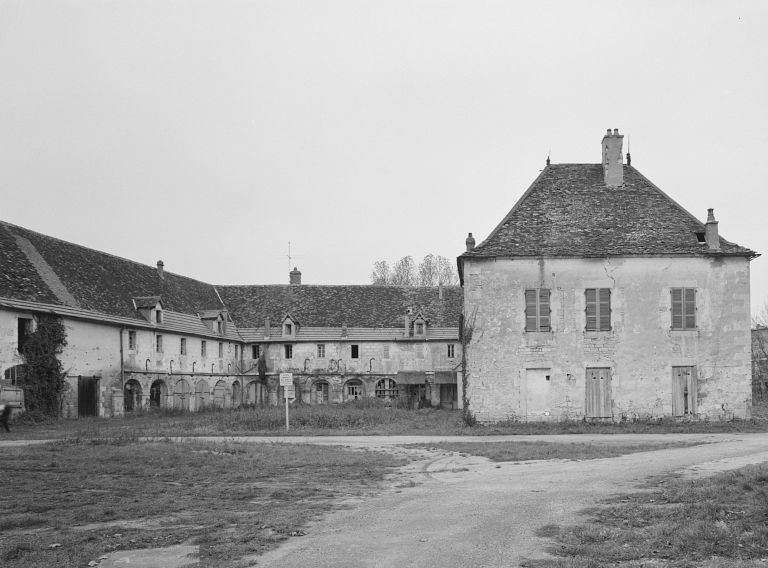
point(419, 328)
point(237, 352)
point(221, 350)
point(288, 351)
point(159, 344)
point(386, 351)
point(287, 329)
point(220, 327)
point(683, 308)
point(537, 311)
point(256, 351)
point(158, 316)
point(598, 310)
point(183, 346)
point(321, 351)
point(131, 339)
point(355, 351)
point(203, 348)
point(25, 329)
point(451, 352)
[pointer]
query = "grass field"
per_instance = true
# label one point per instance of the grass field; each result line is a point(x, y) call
point(367, 417)
point(232, 500)
point(718, 521)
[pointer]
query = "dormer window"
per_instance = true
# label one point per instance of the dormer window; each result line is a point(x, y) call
point(287, 329)
point(420, 328)
point(290, 326)
point(220, 327)
point(158, 315)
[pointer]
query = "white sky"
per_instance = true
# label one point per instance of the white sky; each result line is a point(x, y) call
point(209, 133)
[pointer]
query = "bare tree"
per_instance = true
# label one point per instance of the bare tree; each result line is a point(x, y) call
point(404, 272)
point(433, 270)
point(381, 275)
point(760, 318)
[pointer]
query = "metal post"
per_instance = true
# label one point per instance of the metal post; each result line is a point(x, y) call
point(287, 428)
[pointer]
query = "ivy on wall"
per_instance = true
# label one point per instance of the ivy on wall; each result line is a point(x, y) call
point(44, 380)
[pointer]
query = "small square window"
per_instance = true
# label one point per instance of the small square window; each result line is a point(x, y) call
point(288, 351)
point(183, 346)
point(131, 340)
point(321, 351)
point(355, 352)
point(203, 348)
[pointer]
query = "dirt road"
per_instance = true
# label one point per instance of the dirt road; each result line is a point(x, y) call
point(467, 511)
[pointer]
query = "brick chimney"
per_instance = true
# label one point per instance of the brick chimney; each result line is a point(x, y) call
point(295, 276)
point(160, 268)
point(470, 242)
point(613, 161)
point(711, 235)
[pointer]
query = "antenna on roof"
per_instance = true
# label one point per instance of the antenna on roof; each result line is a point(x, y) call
point(629, 156)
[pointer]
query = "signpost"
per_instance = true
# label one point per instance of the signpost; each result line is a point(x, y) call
point(289, 393)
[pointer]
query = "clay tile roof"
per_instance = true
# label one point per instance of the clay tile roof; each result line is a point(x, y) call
point(335, 306)
point(569, 211)
point(97, 281)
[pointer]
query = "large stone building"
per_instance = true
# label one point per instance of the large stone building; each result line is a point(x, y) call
point(599, 297)
point(139, 336)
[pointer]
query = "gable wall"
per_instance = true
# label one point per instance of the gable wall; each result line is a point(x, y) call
point(640, 350)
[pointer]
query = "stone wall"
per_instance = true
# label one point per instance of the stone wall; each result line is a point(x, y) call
point(514, 374)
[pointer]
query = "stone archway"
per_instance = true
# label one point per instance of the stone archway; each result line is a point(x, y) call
point(158, 394)
point(182, 395)
point(354, 389)
point(256, 394)
point(237, 395)
point(219, 394)
point(132, 395)
point(202, 395)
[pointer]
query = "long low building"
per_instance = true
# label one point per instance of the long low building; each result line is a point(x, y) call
point(138, 336)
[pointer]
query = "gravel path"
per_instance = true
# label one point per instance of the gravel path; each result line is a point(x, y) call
point(467, 511)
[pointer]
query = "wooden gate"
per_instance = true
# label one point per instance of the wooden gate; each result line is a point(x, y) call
point(683, 391)
point(599, 403)
point(87, 396)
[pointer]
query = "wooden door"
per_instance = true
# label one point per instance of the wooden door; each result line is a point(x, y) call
point(87, 396)
point(599, 403)
point(684, 391)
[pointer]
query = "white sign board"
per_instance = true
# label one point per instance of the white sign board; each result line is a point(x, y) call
point(290, 392)
point(286, 379)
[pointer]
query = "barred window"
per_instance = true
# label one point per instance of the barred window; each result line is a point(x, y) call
point(598, 309)
point(537, 311)
point(683, 308)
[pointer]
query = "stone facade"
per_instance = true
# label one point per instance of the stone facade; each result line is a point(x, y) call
point(517, 374)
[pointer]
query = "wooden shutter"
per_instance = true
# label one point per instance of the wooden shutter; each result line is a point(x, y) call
point(604, 309)
point(677, 308)
point(689, 307)
point(544, 311)
point(591, 309)
point(531, 320)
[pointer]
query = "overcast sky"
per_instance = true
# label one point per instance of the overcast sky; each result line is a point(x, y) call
point(210, 133)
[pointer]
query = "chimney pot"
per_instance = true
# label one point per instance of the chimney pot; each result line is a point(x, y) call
point(613, 162)
point(295, 276)
point(470, 242)
point(160, 266)
point(711, 234)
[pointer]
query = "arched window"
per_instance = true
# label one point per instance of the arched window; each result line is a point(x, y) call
point(353, 389)
point(322, 391)
point(386, 388)
point(132, 395)
point(157, 394)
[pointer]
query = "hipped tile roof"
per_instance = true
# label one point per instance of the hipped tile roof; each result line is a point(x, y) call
point(569, 211)
point(336, 306)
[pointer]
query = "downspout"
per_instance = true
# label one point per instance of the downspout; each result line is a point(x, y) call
point(122, 361)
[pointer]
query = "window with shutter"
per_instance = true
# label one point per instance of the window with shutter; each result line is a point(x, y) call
point(537, 310)
point(683, 308)
point(598, 309)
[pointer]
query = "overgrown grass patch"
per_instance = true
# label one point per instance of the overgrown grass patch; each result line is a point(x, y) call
point(681, 523)
point(523, 451)
point(92, 497)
